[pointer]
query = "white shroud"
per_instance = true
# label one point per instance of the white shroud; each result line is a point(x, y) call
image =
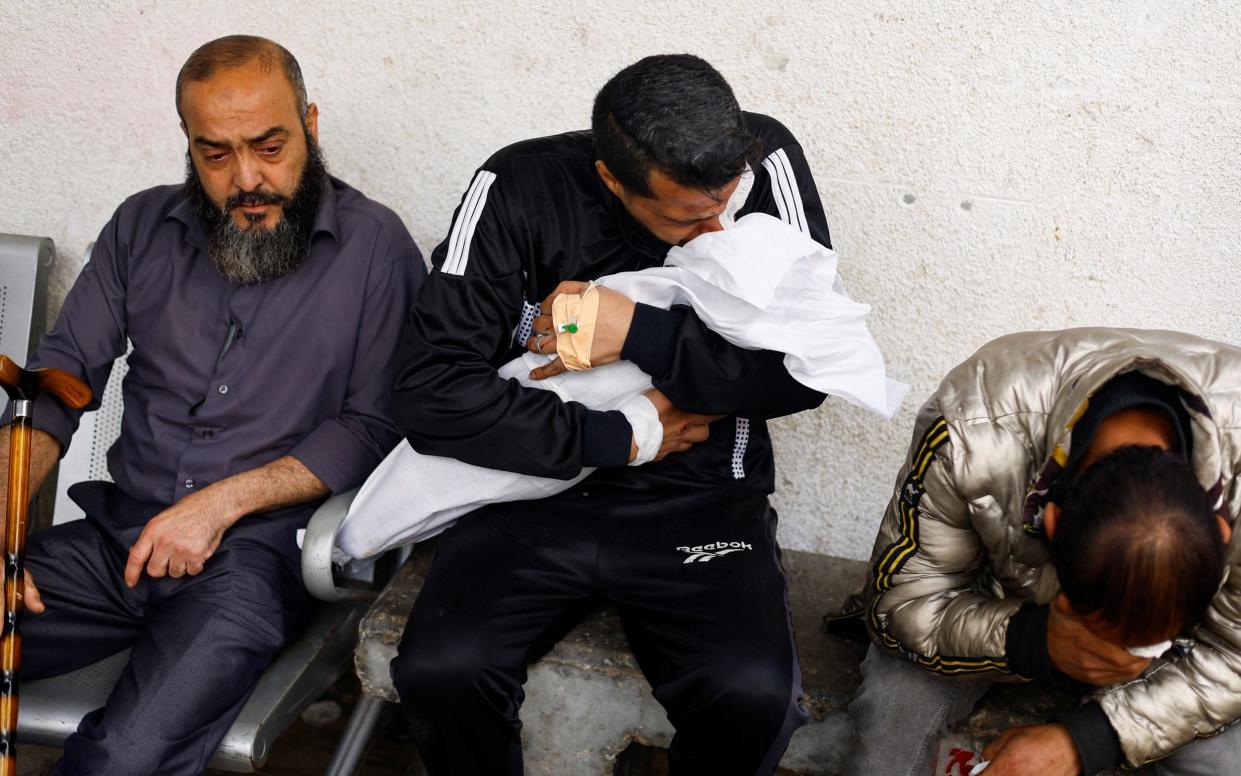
point(761, 284)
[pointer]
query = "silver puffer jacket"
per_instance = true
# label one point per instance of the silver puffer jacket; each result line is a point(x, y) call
point(961, 546)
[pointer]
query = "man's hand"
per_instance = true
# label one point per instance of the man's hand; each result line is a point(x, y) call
point(1033, 750)
point(682, 430)
point(611, 328)
point(31, 599)
point(1075, 649)
point(179, 540)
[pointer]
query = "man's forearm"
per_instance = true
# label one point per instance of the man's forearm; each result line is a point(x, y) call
point(44, 453)
point(183, 537)
point(281, 483)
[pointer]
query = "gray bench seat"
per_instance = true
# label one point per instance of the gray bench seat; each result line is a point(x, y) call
point(51, 708)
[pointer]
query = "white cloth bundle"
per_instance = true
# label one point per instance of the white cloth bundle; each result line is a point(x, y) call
point(760, 284)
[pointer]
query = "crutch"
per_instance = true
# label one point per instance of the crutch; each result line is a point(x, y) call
point(22, 386)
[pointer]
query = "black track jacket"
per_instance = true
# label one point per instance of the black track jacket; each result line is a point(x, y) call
point(535, 214)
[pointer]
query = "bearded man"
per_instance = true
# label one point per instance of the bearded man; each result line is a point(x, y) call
point(263, 301)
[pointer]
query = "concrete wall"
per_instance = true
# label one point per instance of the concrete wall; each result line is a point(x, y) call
point(986, 167)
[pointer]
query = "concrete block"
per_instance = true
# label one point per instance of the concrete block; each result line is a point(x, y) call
point(587, 700)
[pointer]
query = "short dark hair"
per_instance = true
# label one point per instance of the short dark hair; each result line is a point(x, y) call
point(676, 113)
point(235, 51)
point(1137, 544)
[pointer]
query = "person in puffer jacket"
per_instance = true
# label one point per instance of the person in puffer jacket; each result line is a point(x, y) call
point(1065, 515)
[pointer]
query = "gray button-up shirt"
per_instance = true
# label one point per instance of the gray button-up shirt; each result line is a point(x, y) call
point(223, 379)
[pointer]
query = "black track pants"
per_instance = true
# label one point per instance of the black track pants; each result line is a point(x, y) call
point(702, 596)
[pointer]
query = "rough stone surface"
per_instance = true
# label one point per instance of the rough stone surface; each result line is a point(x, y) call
point(986, 167)
point(586, 700)
point(381, 628)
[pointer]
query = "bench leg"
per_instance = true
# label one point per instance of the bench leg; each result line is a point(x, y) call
point(357, 736)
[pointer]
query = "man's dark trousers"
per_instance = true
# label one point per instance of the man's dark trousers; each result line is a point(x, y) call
point(198, 644)
point(710, 628)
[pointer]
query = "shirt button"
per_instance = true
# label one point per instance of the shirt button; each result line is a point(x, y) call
point(189, 484)
point(223, 389)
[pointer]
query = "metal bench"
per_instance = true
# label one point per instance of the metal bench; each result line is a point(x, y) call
point(52, 708)
point(25, 263)
point(25, 266)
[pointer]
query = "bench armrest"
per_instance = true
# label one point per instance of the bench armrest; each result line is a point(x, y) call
point(317, 543)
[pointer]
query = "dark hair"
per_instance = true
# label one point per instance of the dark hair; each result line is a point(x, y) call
point(1137, 544)
point(235, 51)
point(676, 113)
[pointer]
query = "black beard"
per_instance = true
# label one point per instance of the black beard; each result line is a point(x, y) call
point(258, 255)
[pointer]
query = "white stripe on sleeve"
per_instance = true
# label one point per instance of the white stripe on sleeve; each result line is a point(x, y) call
point(784, 190)
point(462, 234)
point(769, 164)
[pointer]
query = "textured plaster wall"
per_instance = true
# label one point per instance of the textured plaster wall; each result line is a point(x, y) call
point(986, 167)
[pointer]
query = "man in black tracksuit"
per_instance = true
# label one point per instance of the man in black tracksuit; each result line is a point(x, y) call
point(684, 546)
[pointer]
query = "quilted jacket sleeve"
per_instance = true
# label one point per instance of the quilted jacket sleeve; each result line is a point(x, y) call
point(925, 602)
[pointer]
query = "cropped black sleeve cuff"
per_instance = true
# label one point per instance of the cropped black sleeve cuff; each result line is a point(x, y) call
point(652, 335)
point(608, 439)
point(1093, 735)
point(1026, 642)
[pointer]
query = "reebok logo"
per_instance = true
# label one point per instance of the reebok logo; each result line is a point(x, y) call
point(705, 552)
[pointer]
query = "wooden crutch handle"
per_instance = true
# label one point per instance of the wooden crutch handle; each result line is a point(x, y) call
point(10, 373)
point(29, 383)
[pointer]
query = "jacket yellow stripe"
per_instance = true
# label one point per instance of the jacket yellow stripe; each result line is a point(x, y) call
point(936, 436)
point(948, 665)
point(930, 454)
point(893, 559)
point(911, 492)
